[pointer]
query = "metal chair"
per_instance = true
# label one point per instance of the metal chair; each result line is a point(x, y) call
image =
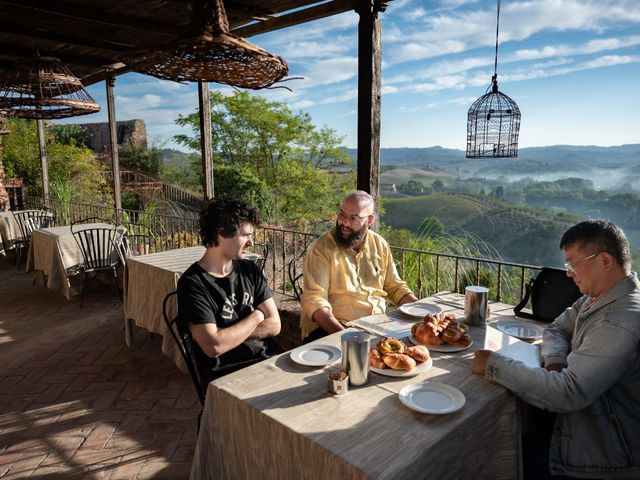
point(137, 240)
point(182, 338)
point(88, 220)
point(28, 221)
point(99, 252)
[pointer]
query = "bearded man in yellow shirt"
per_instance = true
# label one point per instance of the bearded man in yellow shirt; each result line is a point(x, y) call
point(349, 272)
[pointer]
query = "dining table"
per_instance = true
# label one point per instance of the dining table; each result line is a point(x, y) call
point(277, 419)
point(147, 281)
point(9, 231)
point(54, 255)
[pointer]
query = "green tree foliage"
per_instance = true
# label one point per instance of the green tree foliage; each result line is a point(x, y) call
point(242, 183)
point(73, 171)
point(296, 160)
point(70, 134)
point(148, 160)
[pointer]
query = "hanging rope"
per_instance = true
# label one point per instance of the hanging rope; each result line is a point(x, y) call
point(495, 64)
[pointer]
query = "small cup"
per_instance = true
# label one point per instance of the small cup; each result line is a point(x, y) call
point(338, 382)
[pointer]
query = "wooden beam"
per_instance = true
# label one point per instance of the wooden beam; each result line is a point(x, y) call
point(369, 72)
point(113, 141)
point(42, 144)
point(295, 18)
point(205, 139)
point(96, 16)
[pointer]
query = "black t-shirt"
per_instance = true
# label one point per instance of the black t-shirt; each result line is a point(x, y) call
point(203, 298)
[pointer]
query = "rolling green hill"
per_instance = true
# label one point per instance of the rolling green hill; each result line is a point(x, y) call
point(520, 234)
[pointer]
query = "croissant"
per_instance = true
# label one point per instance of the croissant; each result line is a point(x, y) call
point(375, 359)
point(426, 335)
point(465, 341)
point(399, 361)
point(419, 353)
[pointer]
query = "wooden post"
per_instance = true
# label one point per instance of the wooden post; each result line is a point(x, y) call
point(113, 141)
point(205, 139)
point(43, 161)
point(369, 67)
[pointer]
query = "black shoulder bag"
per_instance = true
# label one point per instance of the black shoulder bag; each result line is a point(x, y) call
point(551, 293)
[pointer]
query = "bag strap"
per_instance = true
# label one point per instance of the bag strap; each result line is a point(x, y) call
point(518, 308)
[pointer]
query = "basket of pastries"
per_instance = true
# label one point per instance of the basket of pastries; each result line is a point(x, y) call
point(441, 329)
point(394, 354)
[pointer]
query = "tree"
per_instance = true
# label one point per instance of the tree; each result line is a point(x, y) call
point(74, 173)
point(295, 160)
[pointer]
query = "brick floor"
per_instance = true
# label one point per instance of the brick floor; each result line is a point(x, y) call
point(75, 401)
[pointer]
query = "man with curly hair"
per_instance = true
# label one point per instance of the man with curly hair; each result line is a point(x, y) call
point(224, 299)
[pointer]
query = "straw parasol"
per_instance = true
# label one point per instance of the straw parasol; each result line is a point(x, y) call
point(209, 53)
point(44, 89)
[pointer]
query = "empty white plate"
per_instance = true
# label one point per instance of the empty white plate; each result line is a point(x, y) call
point(316, 355)
point(432, 397)
point(419, 310)
point(520, 329)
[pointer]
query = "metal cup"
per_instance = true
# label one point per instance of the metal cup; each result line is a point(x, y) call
point(355, 357)
point(475, 305)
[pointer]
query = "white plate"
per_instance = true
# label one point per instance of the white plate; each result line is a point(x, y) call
point(444, 348)
point(316, 355)
point(520, 329)
point(390, 372)
point(418, 309)
point(432, 397)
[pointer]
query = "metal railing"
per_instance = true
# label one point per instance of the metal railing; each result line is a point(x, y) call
point(425, 272)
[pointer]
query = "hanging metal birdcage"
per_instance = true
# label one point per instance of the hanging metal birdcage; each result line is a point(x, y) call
point(493, 125)
point(493, 121)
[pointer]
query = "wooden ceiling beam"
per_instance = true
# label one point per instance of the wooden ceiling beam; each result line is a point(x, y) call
point(295, 18)
point(86, 14)
point(47, 35)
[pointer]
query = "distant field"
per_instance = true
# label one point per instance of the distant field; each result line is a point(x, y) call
point(403, 175)
point(410, 212)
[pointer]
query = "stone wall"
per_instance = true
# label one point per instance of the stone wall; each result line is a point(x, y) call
point(289, 310)
point(127, 132)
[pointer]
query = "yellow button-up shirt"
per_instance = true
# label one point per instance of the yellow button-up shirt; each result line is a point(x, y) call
point(353, 284)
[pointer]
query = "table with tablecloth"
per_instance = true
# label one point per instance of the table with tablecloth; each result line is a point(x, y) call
point(276, 420)
point(53, 252)
point(9, 231)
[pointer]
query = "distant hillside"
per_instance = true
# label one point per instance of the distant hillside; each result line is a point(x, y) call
point(520, 234)
point(177, 158)
point(605, 166)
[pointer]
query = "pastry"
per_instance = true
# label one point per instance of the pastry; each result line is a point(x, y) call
point(399, 361)
point(390, 345)
point(419, 353)
point(375, 359)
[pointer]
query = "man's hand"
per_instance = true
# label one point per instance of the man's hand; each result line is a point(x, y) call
point(480, 359)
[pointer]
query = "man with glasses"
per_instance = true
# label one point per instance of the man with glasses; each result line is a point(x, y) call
point(591, 366)
point(349, 272)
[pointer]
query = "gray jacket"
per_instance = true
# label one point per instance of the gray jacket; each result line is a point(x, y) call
point(597, 395)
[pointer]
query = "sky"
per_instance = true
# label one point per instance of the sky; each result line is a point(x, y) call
point(571, 66)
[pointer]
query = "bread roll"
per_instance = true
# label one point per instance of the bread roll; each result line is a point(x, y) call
point(399, 361)
point(425, 335)
point(390, 345)
point(419, 353)
point(375, 359)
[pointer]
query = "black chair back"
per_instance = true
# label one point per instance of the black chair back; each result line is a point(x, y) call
point(184, 342)
point(263, 250)
point(137, 240)
point(30, 220)
point(98, 246)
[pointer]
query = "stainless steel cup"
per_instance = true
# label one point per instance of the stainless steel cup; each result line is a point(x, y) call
point(355, 357)
point(475, 305)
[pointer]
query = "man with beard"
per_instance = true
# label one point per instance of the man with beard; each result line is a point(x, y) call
point(349, 272)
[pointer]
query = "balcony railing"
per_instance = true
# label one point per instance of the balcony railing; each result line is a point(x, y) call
point(425, 272)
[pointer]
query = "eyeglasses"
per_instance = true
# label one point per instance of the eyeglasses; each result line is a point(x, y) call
point(351, 218)
point(571, 267)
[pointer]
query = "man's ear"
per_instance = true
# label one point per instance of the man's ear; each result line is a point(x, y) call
point(607, 261)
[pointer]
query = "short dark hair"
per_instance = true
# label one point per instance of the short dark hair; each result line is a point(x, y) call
point(223, 216)
point(601, 236)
